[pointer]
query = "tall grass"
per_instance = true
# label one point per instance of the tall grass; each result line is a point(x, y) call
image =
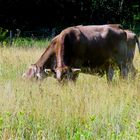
point(25, 42)
point(90, 109)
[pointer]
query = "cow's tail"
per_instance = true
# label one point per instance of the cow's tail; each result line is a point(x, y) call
point(138, 43)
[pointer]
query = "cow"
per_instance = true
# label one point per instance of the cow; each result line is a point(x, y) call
point(91, 47)
point(86, 48)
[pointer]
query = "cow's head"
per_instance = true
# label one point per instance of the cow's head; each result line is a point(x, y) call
point(33, 72)
point(70, 74)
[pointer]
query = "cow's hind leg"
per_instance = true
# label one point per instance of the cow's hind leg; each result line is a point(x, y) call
point(121, 59)
point(133, 71)
point(109, 73)
point(123, 70)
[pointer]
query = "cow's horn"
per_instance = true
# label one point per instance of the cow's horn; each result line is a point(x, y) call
point(75, 69)
point(47, 70)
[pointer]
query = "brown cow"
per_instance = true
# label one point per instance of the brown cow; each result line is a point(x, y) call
point(84, 47)
point(91, 47)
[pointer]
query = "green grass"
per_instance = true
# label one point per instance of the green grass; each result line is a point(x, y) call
point(25, 42)
point(45, 110)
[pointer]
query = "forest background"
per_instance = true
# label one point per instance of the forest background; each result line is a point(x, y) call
point(42, 18)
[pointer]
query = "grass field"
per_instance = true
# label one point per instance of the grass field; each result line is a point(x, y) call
point(45, 110)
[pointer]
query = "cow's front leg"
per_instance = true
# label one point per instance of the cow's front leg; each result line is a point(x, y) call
point(132, 70)
point(123, 71)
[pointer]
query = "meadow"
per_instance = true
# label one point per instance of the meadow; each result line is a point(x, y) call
point(90, 109)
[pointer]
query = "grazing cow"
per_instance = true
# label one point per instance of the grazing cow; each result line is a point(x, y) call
point(91, 47)
point(84, 47)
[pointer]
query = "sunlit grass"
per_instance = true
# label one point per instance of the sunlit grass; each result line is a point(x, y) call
point(88, 110)
point(26, 42)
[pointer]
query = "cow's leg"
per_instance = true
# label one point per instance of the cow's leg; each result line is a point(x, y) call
point(123, 70)
point(109, 73)
point(123, 67)
point(132, 70)
point(121, 59)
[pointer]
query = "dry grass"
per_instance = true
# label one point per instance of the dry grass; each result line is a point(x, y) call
point(90, 109)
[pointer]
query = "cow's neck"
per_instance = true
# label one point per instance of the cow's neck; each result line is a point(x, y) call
point(44, 59)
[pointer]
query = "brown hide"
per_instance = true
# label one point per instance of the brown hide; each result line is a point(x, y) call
point(132, 40)
point(91, 47)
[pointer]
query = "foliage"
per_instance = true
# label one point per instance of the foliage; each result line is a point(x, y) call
point(60, 13)
point(3, 36)
point(30, 42)
point(25, 42)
